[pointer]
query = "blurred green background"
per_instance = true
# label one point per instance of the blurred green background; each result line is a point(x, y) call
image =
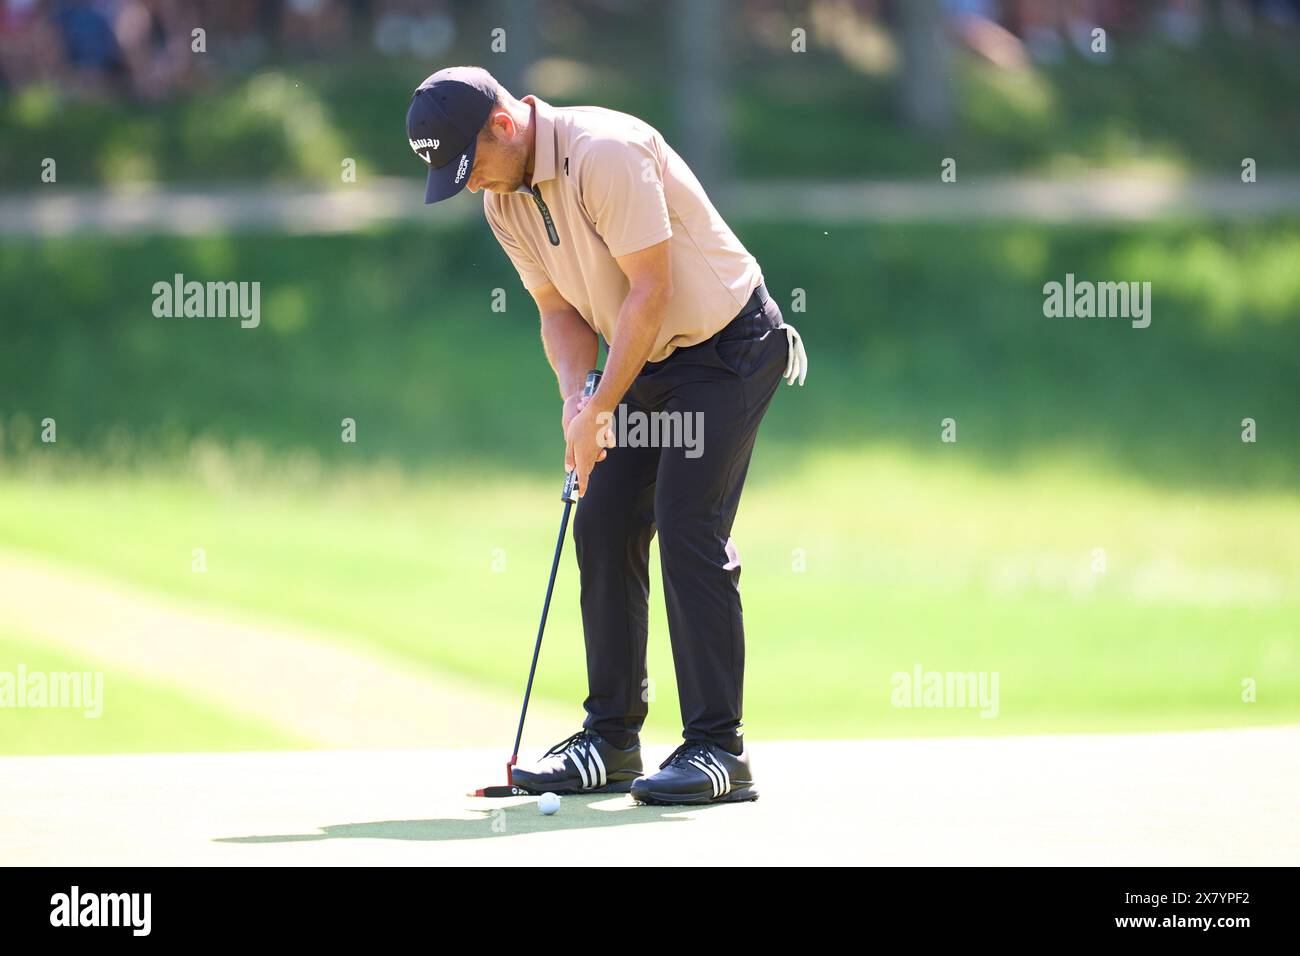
point(869, 545)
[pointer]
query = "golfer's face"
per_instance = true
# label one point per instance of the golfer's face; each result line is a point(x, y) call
point(496, 167)
point(478, 177)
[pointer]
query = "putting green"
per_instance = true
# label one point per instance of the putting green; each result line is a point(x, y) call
point(1101, 605)
point(124, 713)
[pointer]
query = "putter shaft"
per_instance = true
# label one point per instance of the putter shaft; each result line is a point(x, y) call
point(569, 496)
point(541, 628)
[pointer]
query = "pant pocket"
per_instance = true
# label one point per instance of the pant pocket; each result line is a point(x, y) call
point(738, 355)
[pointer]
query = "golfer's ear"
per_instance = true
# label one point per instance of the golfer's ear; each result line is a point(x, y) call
point(500, 120)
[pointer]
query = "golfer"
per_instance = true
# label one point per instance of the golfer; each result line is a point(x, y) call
point(615, 239)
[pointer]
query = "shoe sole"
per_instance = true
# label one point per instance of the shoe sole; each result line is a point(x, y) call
point(695, 799)
point(618, 786)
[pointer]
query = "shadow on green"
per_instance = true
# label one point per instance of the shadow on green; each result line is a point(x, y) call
point(516, 817)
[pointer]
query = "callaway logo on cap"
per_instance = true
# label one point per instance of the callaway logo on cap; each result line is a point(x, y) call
point(428, 145)
point(447, 111)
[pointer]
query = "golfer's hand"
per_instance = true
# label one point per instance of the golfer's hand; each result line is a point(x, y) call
point(572, 405)
point(588, 435)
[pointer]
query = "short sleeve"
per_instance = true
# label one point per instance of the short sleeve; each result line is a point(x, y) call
point(531, 273)
point(622, 190)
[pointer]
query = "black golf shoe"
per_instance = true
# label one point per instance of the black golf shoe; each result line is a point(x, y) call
point(585, 763)
point(698, 772)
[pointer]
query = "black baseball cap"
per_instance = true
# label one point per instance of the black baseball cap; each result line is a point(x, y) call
point(447, 111)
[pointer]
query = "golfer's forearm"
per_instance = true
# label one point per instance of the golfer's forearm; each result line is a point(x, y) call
point(639, 322)
point(571, 347)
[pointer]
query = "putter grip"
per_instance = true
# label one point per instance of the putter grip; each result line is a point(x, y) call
point(570, 492)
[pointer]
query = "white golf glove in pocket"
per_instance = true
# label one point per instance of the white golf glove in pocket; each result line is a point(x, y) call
point(796, 364)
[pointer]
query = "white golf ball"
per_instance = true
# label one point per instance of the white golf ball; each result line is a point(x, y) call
point(548, 803)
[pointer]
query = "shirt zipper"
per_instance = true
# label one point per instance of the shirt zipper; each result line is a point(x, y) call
point(536, 193)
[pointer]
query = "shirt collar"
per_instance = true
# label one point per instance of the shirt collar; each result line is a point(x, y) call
point(543, 141)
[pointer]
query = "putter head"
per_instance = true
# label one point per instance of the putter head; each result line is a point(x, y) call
point(499, 792)
point(509, 790)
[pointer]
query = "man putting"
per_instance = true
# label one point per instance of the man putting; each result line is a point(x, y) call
point(615, 239)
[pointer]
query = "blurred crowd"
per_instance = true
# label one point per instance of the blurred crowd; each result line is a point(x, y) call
point(1015, 32)
point(148, 48)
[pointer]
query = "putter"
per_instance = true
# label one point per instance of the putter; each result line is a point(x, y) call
point(569, 496)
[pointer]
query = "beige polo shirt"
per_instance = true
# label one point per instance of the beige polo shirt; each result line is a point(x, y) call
point(612, 186)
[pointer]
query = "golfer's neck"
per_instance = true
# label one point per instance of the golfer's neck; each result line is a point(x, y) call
point(530, 136)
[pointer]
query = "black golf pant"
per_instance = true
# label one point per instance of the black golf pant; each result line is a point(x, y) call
point(689, 496)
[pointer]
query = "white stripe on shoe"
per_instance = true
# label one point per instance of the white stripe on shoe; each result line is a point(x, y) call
point(576, 756)
point(726, 777)
point(712, 774)
point(597, 763)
